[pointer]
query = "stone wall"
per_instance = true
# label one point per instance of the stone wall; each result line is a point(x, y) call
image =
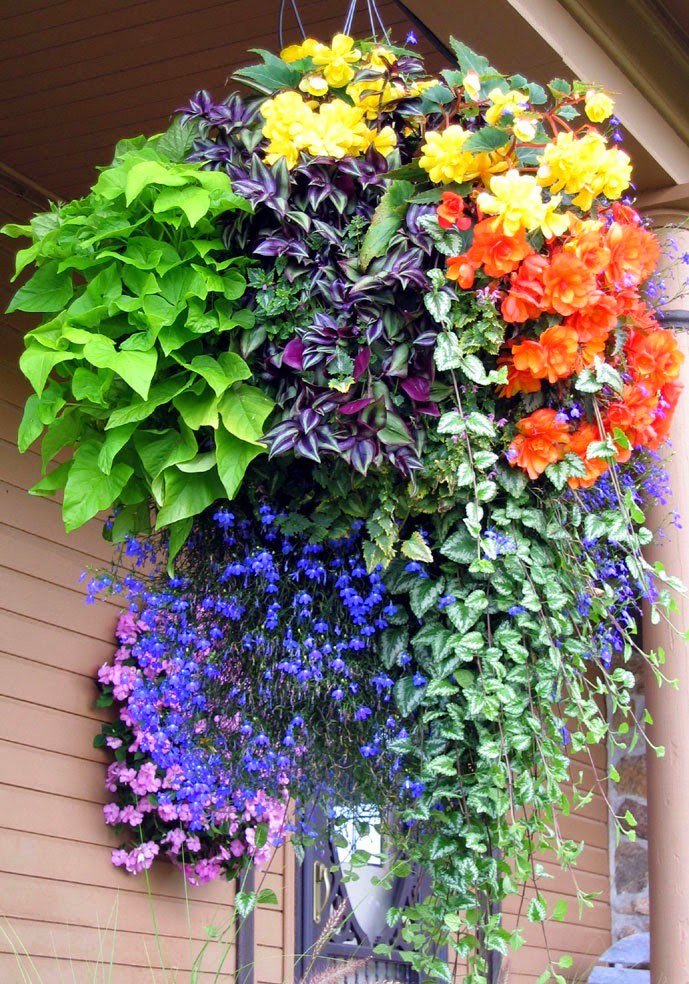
point(629, 860)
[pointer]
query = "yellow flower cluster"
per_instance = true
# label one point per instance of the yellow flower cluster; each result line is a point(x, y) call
point(335, 61)
point(512, 103)
point(585, 168)
point(443, 156)
point(374, 95)
point(518, 200)
point(598, 105)
point(333, 129)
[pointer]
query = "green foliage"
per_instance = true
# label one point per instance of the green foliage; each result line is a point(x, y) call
point(136, 365)
point(387, 218)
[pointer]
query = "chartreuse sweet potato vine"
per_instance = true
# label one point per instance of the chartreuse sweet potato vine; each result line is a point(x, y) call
point(136, 366)
point(423, 297)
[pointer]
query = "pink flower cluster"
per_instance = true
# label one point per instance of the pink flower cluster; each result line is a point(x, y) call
point(149, 808)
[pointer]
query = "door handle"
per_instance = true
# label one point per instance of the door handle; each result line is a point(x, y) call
point(321, 889)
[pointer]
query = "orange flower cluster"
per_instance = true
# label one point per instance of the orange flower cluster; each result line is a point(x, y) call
point(587, 284)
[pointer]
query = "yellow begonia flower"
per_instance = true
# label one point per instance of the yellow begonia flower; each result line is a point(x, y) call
point(337, 60)
point(524, 129)
point(287, 118)
point(512, 103)
point(598, 106)
point(379, 57)
point(384, 141)
point(315, 85)
point(554, 223)
point(306, 49)
point(332, 129)
point(472, 84)
point(445, 160)
point(368, 95)
point(585, 168)
point(517, 199)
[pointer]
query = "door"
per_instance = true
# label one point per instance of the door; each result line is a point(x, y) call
point(352, 913)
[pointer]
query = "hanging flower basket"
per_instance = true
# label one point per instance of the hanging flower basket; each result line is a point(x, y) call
point(363, 369)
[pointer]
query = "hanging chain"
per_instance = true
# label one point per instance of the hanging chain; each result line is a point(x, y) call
point(281, 17)
point(374, 18)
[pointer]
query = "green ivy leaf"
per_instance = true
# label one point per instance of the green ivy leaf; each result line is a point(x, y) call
point(160, 449)
point(267, 897)
point(187, 495)
point(176, 142)
point(387, 219)
point(244, 410)
point(37, 363)
point(407, 696)
point(115, 440)
point(89, 490)
point(136, 368)
point(53, 482)
point(537, 909)
point(416, 548)
point(48, 290)
point(219, 373)
point(448, 353)
point(198, 409)
point(234, 457)
point(194, 202)
point(31, 426)
point(245, 903)
point(270, 76)
point(147, 173)
point(177, 536)
point(159, 394)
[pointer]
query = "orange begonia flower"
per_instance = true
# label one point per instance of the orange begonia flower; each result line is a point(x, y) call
point(517, 381)
point(579, 442)
point(625, 214)
point(589, 350)
point(461, 269)
point(590, 247)
point(552, 357)
point(569, 284)
point(669, 395)
point(543, 439)
point(561, 344)
point(530, 357)
point(634, 252)
point(654, 358)
point(635, 414)
point(596, 320)
point(498, 253)
point(525, 298)
point(450, 212)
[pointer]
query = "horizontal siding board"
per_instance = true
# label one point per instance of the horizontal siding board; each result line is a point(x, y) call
point(51, 645)
point(58, 860)
point(41, 516)
point(129, 949)
point(56, 773)
point(42, 559)
point(191, 27)
point(50, 686)
point(48, 728)
point(54, 605)
point(48, 969)
point(73, 904)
